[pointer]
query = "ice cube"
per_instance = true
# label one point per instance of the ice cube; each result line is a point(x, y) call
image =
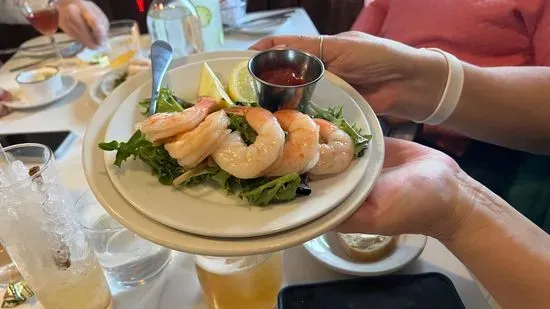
point(7, 176)
point(3, 179)
point(20, 170)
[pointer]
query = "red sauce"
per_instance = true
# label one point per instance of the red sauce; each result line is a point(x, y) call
point(283, 77)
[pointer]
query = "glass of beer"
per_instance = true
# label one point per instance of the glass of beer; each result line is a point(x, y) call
point(240, 282)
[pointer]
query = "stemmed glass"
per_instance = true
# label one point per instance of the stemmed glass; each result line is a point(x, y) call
point(43, 16)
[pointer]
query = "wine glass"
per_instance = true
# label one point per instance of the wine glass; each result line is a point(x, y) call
point(43, 16)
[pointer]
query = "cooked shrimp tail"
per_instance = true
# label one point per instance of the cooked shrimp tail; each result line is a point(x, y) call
point(336, 150)
point(301, 149)
point(251, 161)
point(193, 147)
point(164, 125)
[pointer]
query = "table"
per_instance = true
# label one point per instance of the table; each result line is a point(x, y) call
point(177, 286)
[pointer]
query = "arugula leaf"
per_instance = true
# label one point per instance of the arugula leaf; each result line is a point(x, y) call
point(282, 189)
point(111, 146)
point(336, 116)
point(259, 191)
point(248, 104)
point(120, 79)
point(215, 174)
point(164, 167)
point(238, 123)
point(167, 103)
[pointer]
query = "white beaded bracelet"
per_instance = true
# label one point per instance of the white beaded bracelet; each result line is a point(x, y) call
point(452, 92)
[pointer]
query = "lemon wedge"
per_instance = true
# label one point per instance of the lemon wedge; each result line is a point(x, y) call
point(241, 84)
point(210, 86)
point(122, 59)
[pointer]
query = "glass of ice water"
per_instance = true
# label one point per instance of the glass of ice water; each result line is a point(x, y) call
point(126, 258)
point(38, 228)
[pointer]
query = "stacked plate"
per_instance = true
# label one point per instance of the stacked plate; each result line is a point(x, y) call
point(204, 220)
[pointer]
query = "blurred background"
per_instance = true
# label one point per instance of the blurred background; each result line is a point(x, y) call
point(341, 13)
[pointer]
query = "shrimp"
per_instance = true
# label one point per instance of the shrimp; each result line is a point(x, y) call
point(163, 125)
point(336, 149)
point(301, 150)
point(251, 161)
point(191, 148)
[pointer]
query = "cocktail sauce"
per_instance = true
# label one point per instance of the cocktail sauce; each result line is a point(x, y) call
point(283, 77)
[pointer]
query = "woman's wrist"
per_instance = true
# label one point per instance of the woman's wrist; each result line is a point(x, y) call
point(468, 192)
point(475, 207)
point(425, 74)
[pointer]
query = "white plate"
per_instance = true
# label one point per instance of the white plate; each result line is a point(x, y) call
point(326, 249)
point(69, 83)
point(208, 211)
point(95, 92)
point(44, 51)
point(108, 81)
point(261, 26)
point(116, 205)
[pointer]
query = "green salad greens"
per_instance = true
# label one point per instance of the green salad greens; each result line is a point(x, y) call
point(167, 103)
point(120, 79)
point(163, 166)
point(278, 190)
point(261, 191)
point(336, 116)
point(238, 123)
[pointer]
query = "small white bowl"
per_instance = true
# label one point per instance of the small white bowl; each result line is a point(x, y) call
point(40, 84)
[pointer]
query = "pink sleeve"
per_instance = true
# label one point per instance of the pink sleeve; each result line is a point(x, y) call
point(539, 27)
point(372, 17)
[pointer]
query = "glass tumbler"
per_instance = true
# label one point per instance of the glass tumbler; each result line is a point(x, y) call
point(126, 258)
point(211, 23)
point(232, 11)
point(8, 271)
point(124, 42)
point(240, 282)
point(39, 230)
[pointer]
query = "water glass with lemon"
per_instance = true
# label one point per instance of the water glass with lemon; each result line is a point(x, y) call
point(123, 43)
point(209, 13)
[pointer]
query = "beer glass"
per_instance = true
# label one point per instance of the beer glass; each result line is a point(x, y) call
point(240, 282)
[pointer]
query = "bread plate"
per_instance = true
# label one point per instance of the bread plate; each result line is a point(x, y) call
point(327, 249)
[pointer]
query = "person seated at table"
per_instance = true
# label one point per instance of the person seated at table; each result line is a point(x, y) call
point(422, 190)
point(488, 34)
point(80, 19)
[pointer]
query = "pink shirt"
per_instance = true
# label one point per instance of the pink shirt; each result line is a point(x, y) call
point(481, 32)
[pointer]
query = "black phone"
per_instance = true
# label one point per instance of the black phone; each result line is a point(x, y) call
point(58, 141)
point(423, 291)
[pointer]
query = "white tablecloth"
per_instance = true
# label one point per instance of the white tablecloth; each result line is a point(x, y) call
point(177, 286)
